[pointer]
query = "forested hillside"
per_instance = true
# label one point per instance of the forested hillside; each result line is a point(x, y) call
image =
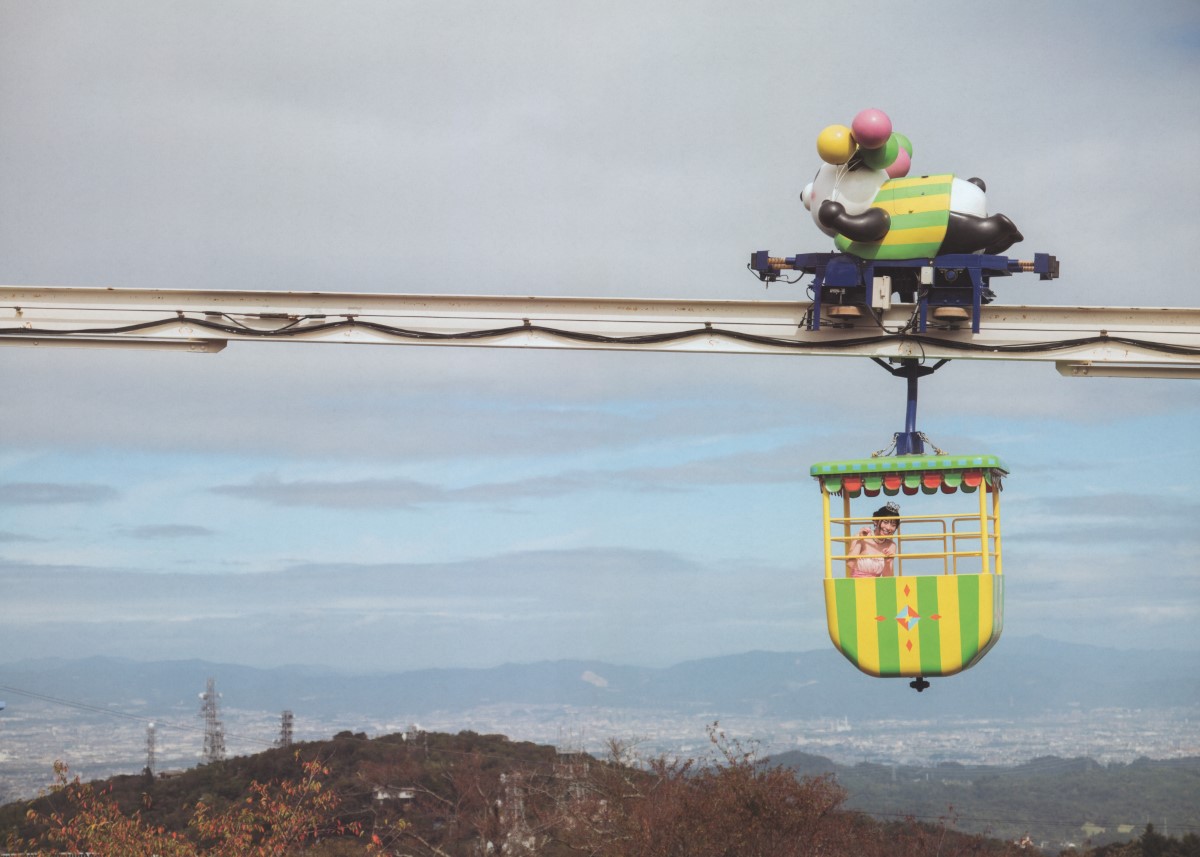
point(1050, 799)
point(468, 794)
point(437, 795)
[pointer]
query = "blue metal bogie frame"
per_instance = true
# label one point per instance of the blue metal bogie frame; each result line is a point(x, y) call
point(910, 441)
point(844, 279)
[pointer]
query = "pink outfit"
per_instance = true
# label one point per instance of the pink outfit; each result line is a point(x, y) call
point(872, 566)
point(868, 566)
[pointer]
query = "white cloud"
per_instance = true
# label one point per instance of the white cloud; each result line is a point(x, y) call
point(53, 494)
point(169, 531)
point(6, 536)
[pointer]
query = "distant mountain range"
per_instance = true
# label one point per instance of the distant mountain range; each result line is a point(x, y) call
point(1021, 677)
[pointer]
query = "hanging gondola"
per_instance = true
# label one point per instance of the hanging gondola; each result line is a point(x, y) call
point(913, 594)
point(937, 604)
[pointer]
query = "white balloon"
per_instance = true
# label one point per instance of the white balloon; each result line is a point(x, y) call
point(854, 189)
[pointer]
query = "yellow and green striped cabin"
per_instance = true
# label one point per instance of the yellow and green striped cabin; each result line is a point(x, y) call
point(919, 208)
point(925, 625)
point(944, 608)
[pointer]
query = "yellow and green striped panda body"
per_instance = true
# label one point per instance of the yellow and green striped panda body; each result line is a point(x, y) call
point(913, 217)
point(919, 208)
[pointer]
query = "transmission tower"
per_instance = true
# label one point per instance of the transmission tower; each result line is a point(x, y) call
point(150, 749)
point(214, 731)
point(518, 838)
point(571, 769)
point(285, 730)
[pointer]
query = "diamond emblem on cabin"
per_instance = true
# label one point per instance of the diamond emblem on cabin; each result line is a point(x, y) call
point(908, 619)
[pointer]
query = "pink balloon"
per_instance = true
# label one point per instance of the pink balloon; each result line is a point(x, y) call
point(871, 128)
point(900, 166)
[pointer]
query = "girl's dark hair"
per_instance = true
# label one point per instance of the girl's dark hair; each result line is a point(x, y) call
point(890, 510)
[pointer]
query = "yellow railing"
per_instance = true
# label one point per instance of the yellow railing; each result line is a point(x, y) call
point(946, 540)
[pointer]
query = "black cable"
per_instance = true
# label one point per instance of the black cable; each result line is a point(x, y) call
point(643, 339)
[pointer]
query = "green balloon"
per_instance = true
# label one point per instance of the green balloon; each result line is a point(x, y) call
point(884, 156)
point(905, 143)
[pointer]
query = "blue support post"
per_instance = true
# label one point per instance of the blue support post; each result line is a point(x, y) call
point(909, 441)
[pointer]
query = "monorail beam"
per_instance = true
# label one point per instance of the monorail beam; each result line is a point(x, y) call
point(1081, 341)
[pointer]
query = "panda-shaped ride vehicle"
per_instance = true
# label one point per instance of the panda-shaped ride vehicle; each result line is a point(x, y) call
point(930, 236)
point(863, 198)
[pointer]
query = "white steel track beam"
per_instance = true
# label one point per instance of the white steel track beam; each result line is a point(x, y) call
point(194, 346)
point(1081, 341)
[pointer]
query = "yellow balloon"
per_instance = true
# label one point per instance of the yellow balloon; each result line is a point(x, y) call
point(836, 144)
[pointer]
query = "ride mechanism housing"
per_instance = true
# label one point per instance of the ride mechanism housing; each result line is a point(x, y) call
point(948, 288)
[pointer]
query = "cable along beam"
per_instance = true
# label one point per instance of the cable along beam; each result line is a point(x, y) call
point(1082, 341)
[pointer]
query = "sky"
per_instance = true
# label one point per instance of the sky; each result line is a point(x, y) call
point(393, 508)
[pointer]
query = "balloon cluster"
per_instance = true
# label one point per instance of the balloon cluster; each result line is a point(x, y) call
point(870, 136)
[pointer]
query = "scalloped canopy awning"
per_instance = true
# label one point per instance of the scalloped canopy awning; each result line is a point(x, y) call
point(910, 474)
